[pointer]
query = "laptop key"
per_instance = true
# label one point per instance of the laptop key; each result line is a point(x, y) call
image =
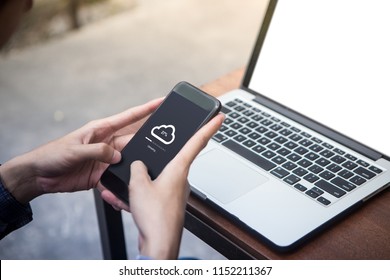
point(314, 192)
point(300, 187)
point(375, 169)
point(311, 178)
point(345, 185)
point(268, 154)
point(264, 141)
point(322, 162)
point(300, 171)
point(249, 155)
point(337, 159)
point(234, 115)
point(350, 165)
point(346, 174)
point(290, 145)
point(253, 135)
point(316, 148)
point(261, 129)
point(228, 121)
point(219, 137)
point(292, 179)
point(289, 165)
point(283, 152)
point(329, 188)
point(249, 143)
point(295, 137)
point(258, 149)
point(252, 124)
point(239, 108)
point(273, 146)
point(223, 128)
point(280, 172)
point(236, 126)
point(357, 180)
point(243, 120)
point(280, 140)
point(334, 168)
point(266, 122)
point(245, 130)
point(225, 110)
point(305, 142)
point(326, 175)
point(294, 157)
point(362, 163)
point(285, 132)
point(315, 169)
point(323, 200)
point(312, 156)
point(240, 138)
point(230, 133)
point(301, 150)
point(231, 104)
point(364, 173)
point(257, 118)
point(305, 163)
point(278, 160)
point(327, 153)
point(271, 134)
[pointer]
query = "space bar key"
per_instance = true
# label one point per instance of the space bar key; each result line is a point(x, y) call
point(249, 155)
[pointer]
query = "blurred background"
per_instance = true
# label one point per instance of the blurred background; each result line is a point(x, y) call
point(73, 61)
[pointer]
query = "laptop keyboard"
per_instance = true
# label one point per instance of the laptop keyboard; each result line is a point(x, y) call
point(312, 166)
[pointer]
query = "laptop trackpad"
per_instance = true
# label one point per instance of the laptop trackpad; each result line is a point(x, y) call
point(222, 176)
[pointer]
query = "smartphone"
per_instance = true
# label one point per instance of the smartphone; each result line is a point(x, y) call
point(184, 110)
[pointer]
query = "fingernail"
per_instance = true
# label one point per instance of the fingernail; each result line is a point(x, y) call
point(116, 157)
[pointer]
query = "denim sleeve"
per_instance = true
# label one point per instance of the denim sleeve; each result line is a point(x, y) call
point(13, 214)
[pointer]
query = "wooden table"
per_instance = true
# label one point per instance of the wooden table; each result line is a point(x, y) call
point(365, 234)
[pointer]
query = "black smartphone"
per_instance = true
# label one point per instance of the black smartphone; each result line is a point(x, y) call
point(184, 110)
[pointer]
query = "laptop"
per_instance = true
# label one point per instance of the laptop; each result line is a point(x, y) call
point(305, 137)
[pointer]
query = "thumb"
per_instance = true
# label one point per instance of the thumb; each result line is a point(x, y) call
point(139, 174)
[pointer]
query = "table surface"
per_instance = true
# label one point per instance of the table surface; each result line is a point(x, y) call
point(364, 234)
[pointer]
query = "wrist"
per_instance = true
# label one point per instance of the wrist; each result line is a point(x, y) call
point(18, 178)
point(160, 247)
point(159, 251)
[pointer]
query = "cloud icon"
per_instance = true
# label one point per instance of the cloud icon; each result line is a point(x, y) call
point(164, 133)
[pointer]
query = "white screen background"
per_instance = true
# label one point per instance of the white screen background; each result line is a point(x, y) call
point(330, 60)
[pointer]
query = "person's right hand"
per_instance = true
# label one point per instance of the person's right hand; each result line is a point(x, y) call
point(158, 206)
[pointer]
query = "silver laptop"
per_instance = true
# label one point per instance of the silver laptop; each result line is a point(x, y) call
point(305, 137)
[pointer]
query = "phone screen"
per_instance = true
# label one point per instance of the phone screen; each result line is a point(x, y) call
point(158, 141)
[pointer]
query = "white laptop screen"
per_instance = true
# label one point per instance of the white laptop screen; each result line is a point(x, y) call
point(330, 60)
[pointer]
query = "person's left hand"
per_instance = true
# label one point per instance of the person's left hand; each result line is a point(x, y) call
point(76, 161)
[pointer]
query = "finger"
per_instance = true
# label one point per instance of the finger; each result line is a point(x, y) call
point(99, 151)
point(120, 142)
point(139, 175)
point(115, 202)
point(199, 140)
point(111, 199)
point(134, 114)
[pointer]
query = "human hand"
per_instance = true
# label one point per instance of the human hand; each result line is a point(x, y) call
point(76, 161)
point(158, 206)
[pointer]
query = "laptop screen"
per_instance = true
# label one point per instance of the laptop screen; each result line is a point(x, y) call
point(330, 60)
